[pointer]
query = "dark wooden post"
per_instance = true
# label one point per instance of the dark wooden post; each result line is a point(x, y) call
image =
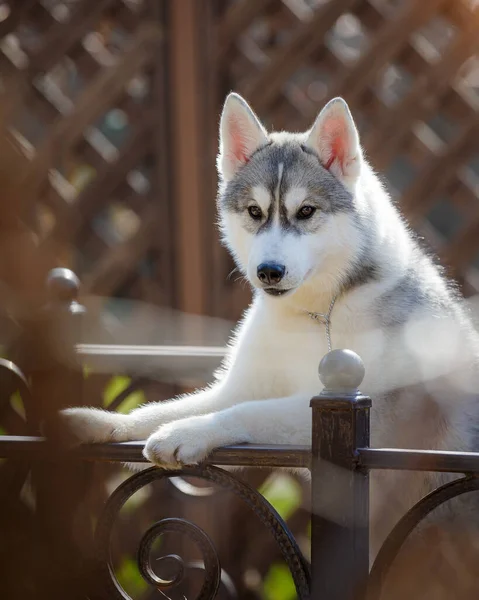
point(340, 491)
point(57, 382)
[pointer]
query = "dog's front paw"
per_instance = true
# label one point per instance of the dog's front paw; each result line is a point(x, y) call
point(75, 426)
point(184, 442)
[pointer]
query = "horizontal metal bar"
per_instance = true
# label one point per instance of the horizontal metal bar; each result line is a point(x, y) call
point(130, 350)
point(166, 363)
point(257, 455)
point(419, 460)
point(243, 455)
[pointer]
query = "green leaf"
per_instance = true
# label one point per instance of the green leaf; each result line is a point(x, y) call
point(278, 584)
point(130, 579)
point(283, 492)
point(17, 404)
point(116, 386)
point(86, 371)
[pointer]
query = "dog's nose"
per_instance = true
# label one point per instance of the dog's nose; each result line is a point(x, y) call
point(271, 273)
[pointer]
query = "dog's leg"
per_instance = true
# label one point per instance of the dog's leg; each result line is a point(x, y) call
point(93, 425)
point(188, 441)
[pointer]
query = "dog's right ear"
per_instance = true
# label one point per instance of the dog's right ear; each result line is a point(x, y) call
point(241, 133)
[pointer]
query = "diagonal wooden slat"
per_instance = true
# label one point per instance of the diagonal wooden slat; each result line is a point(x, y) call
point(94, 100)
point(18, 10)
point(263, 89)
point(459, 12)
point(121, 261)
point(385, 44)
point(421, 195)
point(57, 42)
point(93, 197)
point(465, 246)
point(383, 141)
point(237, 18)
point(63, 36)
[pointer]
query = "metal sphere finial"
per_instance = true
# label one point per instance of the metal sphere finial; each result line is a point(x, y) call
point(63, 285)
point(341, 370)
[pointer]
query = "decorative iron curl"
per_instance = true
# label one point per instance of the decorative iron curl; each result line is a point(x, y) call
point(208, 551)
point(401, 531)
point(292, 555)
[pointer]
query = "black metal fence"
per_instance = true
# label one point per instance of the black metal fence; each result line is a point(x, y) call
point(339, 568)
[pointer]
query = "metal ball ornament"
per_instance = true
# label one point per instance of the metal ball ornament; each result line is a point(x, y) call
point(341, 370)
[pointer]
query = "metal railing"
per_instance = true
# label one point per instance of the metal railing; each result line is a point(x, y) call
point(339, 568)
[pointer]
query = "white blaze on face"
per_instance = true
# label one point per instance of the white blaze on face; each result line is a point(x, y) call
point(276, 196)
point(280, 177)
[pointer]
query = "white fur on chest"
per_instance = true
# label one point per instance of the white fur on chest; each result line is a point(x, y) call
point(280, 353)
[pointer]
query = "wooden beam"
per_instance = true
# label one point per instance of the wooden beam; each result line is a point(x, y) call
point(161, 193)
point(186, 151)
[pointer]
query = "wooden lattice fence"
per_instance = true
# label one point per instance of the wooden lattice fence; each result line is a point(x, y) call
point(122, 100)
point(84, 82)
point(115, 107)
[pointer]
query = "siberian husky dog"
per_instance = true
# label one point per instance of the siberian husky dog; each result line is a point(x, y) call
point(309, 224)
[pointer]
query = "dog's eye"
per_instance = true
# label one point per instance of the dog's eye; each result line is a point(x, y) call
point(305, 212)
point(255, 212)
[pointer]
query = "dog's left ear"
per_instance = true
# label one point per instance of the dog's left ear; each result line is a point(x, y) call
point(241, 133)
point(335, 138)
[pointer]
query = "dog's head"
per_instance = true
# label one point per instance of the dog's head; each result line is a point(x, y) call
point(286, 201)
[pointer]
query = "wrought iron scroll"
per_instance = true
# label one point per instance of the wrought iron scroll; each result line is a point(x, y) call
point(408, 523)
point(109, 584)
point(12, 379)
point(199, 537)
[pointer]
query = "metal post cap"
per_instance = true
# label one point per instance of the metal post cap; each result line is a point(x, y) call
point(63, 285)
point(341, 370)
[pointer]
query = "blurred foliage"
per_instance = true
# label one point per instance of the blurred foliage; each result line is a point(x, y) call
point(17, 404)
point(283, 492)
point(278, 584)
point(130, 579)
point(118, 385)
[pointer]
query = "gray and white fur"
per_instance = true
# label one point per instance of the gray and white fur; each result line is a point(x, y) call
point(307, 220)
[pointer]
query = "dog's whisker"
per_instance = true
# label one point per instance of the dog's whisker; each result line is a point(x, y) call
point(235, 270)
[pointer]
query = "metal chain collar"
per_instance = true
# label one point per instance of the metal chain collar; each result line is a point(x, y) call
point(326, 320)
